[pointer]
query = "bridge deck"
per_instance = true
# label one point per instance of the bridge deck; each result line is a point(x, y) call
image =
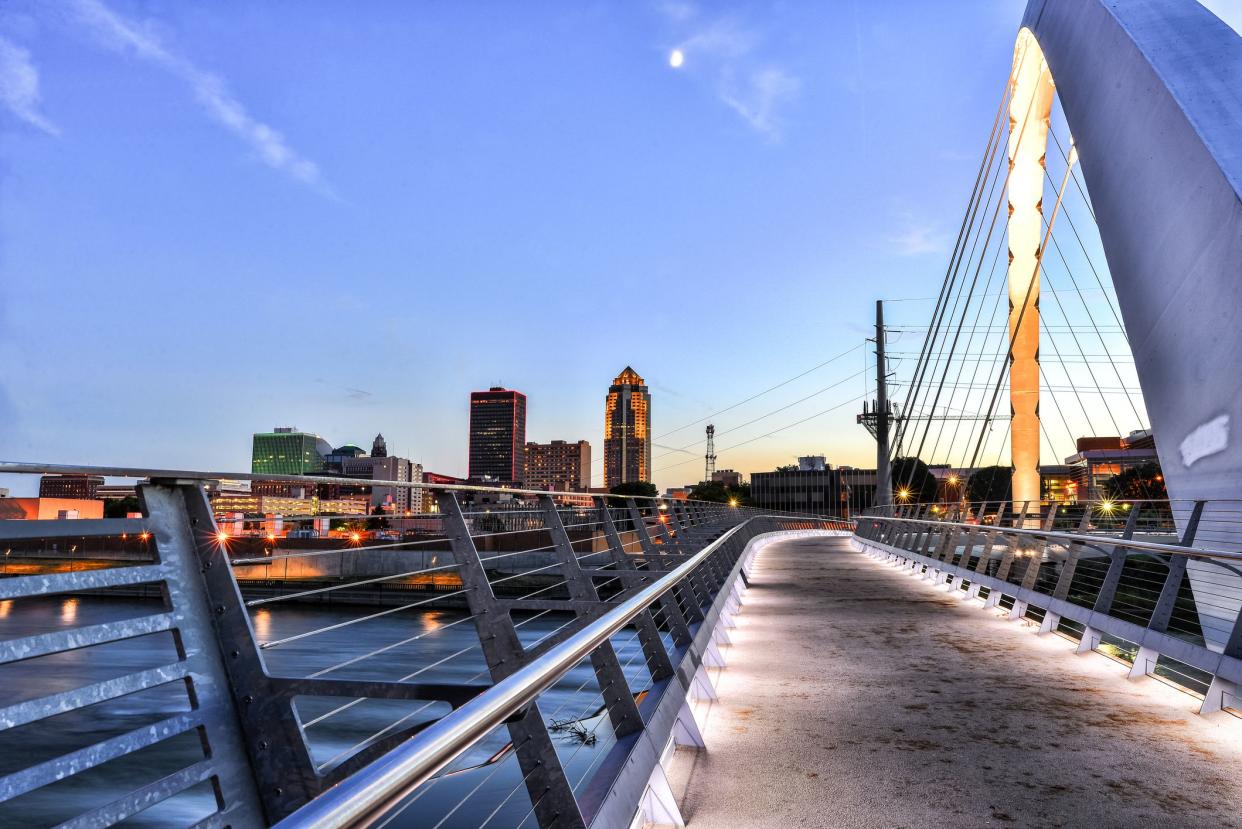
point(860, 696)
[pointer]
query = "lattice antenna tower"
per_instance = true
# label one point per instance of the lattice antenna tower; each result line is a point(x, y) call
point(710, 457)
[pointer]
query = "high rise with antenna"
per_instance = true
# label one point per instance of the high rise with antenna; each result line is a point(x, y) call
point(710, 457)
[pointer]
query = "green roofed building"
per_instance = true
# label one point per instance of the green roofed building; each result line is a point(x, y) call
point(286, 451)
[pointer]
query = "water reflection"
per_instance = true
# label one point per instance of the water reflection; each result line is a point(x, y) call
point(262, 623)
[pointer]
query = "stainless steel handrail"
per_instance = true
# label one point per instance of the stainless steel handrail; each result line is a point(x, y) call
point(380, 786)
point(1073, 538)
point(11, 467)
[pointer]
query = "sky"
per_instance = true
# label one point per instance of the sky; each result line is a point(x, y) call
point(217, 218)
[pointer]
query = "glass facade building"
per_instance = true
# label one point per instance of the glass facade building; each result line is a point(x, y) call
point(498, 435)
point(286, 451)
point(627, 430)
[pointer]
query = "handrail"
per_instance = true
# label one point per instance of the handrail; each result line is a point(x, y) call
point(380, 786)
point(1073, 538)
point(15, 467)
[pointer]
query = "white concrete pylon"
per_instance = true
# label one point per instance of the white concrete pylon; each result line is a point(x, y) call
point(701, 687)
point(686, 731)
point(1221, 694)
point(1144, 663)
point(1050, 623)
point(1087, 643)
point(658, 806)
point(712, 657)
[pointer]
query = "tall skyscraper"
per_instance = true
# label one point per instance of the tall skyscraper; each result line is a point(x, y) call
point(497, 435)
point(627, 430)
point(286, 451)
point(559, 466)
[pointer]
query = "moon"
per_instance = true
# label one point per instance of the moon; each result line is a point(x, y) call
point(676, 59)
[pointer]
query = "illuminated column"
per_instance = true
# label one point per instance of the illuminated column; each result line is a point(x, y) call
point(1029, 109)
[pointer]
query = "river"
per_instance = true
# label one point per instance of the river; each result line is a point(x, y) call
point(447, 642)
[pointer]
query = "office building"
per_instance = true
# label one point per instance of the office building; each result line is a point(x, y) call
point(728, 477)
point(627, 430)
point(231, 503)
point(810, 492)
point(82, 487)
point(390, 499)
point(1058, 483)
point(559, 466)
point(497, 435)
point(286, 451)
point(1101, 458)
point(47, 509)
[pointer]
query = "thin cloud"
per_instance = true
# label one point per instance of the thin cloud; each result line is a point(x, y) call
point(19, 86)
point(915, 238)
point(726, 51)
point(760, 97)
point(211, 91)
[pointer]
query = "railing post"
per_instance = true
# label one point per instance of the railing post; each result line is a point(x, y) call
point(549, 789)
point(648, 634)
point(1002, 571)
point(682, 592)
point(1066, 577)
point(1163, 613)
point(212, 624)
point(613, 686)
point(1112, 578)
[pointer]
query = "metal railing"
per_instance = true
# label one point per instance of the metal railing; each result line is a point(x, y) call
point(1155, 584)
point(513, 658)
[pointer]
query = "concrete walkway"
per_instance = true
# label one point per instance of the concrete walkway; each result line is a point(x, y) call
point(859, 696)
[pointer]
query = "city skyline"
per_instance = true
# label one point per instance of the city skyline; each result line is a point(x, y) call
point(374, 204)
point(125, 192)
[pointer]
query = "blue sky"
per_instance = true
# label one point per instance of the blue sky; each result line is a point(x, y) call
point(216, 218)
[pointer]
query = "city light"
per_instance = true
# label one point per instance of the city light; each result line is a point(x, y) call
point(953, 479)
point(733, 502)
point(145, 536)
point(1106, 506)
point(222, 536)
point(355, 537)
point(903, 494)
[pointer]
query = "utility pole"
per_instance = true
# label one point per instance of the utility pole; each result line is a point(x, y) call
point(883, 484)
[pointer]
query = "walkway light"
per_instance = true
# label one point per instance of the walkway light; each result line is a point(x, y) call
point(222, 536)
point(733, 502)
point(1106, 506)
point(903, 494)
